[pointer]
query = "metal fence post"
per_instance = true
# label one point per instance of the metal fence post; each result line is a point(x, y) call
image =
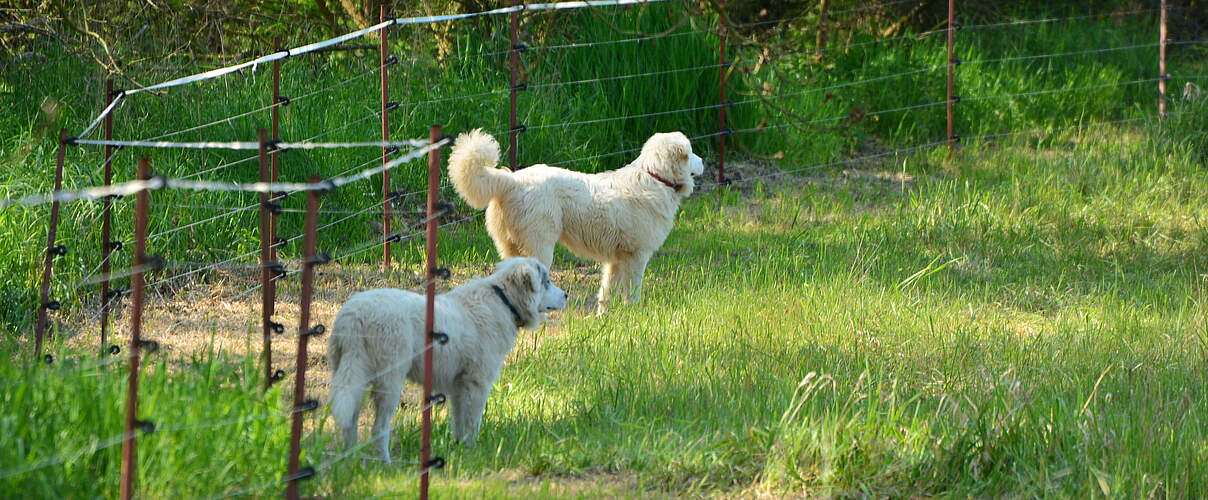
point(425, 461)
point(137, 282)
point(268, 271)
point(951, 67)
point(44, 302)
point(514, 65)
point(386, 195)
point(723, 72)
point(108, 246)
point(1162, 76)
point(305, 331)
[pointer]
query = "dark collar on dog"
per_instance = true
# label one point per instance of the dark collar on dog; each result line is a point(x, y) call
point(666, 182)
point(506, 302)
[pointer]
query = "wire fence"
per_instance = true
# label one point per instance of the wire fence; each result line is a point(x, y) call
point(396, 153)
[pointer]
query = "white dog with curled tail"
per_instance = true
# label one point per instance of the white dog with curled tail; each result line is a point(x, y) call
point(618, 218)
point(378, 337)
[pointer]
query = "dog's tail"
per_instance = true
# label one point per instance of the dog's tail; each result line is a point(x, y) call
point(349, 379)
point(472, 169)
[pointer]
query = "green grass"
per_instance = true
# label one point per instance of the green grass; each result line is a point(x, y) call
point(1027, 320)
point(1023, 322)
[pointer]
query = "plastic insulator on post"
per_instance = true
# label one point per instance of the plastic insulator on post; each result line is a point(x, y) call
point(308, 405)
point(148, 345)
point(146, 426)
point(114, 349)
point(115, 293)
point(1166, 76)
point(955, 138)
point(280, 195)
point(277, 376)
point(117, 93)
point(116, 245)
point(283, 100)
point(443, 208)
point(726, 182)
point(437, 399)
point(957, 26)
point(53, 305)
point(315, 330)
point(274, 145)
point(727, 131)
point(520, 128)
point(442, 273)
point(326, 186)
point(441, 338)
point(521, 87)
point(392, 59)
point(391, 105)
point(392, 150)
point(520, 47)
point(271, 207)
point(435, 463)
point(956, 99)
point(954, 61)
point(394, 238)
point(49, 358)
point(58, 250)
point(276, 327)
point(70, 141)
point(303, 473)
point(275, 267)
point(154, 262)
point(279, 242)
point(319, 259)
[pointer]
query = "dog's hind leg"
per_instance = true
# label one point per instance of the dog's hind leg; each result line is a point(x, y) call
point(608, 280)
point(386, 396)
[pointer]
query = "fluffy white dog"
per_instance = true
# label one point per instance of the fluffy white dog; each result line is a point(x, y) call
point(378, 339)
point(618, 218)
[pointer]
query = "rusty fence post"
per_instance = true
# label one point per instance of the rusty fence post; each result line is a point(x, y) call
point(108, 245)
point(514, 65)
point(387, 196)
point(723, 72)
point(426, 462)
point(274, 171)
point(952, 62)
point(1162, 76)
point(52, 250)
point(142, 262)
point(305, 331)
point(270, 270)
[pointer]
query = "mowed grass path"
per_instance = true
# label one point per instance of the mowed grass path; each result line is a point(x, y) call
point(1025, 321)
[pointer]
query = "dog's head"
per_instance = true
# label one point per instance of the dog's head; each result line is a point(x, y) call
point(669, 156)
point(526, 284)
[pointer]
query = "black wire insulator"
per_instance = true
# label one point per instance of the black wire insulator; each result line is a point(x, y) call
point(437, 399)
point(519, 128)
point(114, 349)
point(276, 327)
point(443, 208)
point(146, 426)
point(315, 330)
point(303, 473)
point(956, 99)
point(954, 61)
point(308, 405)
point(392, 150)
point(436, 463)
point(279, 242)
point(271, 207)
point(283, 100)
point(154, 262)
point(116, 245)
point(442, 273)
point(520, 47)
point(392, 59)
point(58, 250)
point(277, 376)
point(148, 345)
point(394, 238)
point(955, 138)
point(441, 338)
point(320, 259)
point(70, 141)
point(49, 358)
point(521, 87)
point(53, 305)
point(391, 105)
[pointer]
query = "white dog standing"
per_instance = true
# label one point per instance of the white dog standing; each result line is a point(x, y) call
point(618, 218)
point(378, 336)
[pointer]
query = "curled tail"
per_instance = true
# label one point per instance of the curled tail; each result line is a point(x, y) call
point(472, 169)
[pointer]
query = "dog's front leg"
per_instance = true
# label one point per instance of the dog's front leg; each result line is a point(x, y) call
point(470, 402)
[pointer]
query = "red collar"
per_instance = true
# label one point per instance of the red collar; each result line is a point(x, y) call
point(674, 186)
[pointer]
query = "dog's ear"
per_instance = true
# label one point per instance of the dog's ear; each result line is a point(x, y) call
point(523, 277)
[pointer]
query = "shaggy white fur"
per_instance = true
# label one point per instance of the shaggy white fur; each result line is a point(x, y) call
point(618, 218)
point(378, 337)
